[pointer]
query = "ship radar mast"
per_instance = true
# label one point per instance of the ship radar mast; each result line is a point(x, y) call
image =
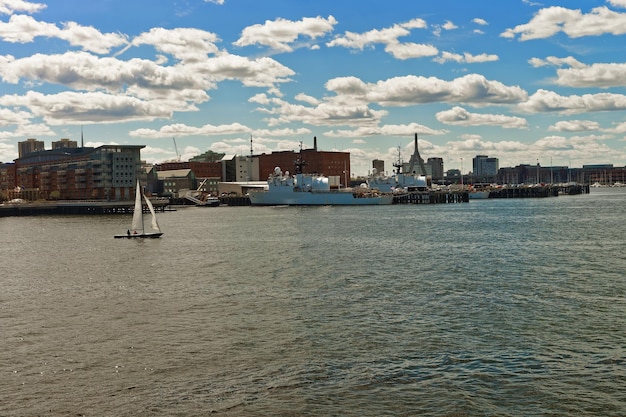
point(299, 162)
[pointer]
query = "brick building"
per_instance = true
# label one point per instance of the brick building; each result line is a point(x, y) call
point(107, 172)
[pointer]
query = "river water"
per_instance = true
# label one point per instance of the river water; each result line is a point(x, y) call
point(494, 307)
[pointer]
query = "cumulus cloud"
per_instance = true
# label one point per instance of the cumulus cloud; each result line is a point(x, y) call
point(390, 38)
point(410, 90)
point(386, 130)
point(574, 126)
point(9, 7)
point(465, 58)
point(92, 107)
point(579, 75)
point(180, 130)
point(461, 117)
point(557, 62)
point(574, 23)
point(550, 101)
point(184, 44)
point(24, 29)
point(280, 34)
point(617, 3)
point(602, 75)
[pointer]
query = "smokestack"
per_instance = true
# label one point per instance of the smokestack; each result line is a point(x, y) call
point(315, 143)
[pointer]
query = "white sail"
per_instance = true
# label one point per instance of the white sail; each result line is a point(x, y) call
point(137, 224)
point(155, 224)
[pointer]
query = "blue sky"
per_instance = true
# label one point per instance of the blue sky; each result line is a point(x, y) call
point(519, 80)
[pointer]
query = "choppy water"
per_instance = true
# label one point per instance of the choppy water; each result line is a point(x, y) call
point(496, 307)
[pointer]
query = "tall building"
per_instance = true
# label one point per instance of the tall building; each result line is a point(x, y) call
point(484, 167)
point(379, 165)
point(29, 146)
point(436, 168)
point(64, 143)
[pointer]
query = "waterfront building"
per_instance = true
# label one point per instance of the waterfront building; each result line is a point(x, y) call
point(106, 172)
point(171, 182)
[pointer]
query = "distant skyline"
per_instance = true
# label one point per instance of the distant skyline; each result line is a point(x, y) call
point(518, 80)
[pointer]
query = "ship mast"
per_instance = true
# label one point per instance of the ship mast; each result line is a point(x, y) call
point(299, 162)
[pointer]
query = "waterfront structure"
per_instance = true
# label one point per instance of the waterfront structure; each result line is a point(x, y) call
point(172, 181)
point(107, 172)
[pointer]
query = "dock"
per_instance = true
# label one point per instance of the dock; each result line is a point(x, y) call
point(538, 191)
point(81, 207)
point(432, 197)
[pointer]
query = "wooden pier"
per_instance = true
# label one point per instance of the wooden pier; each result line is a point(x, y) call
point(432, 197)
point(548, 190)
point(75, 207)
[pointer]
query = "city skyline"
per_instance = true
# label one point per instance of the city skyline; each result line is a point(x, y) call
point(525, 82)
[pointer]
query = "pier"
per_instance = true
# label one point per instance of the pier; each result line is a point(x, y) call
point(432, 197)
point(548, 190)
point(75, 207)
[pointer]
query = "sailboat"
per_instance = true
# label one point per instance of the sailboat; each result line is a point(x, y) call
point(137, 229)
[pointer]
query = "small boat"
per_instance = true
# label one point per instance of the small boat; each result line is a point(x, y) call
point(479, 194)
point(137, 229)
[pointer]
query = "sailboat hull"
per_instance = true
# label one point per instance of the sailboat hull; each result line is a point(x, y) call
point(139, 236)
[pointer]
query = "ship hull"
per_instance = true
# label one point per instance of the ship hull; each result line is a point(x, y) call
point(295, 198)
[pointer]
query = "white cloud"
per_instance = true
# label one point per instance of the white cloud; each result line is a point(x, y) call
point(390, 38)
point(8, 7)
point(449, 25)
point(411, 90)
point(479, 21)
point(93, 107)
point(574, 126)
point(24, 29)
point(549, 101)
point(184, 44)
point(465, 58)
point(597, 75)
point(386, 130)
point(575, 24)
point(557, 62)
point(179, 130)
point(460, 117)
point(280, 34)
point(617, 3)
point(410, 50)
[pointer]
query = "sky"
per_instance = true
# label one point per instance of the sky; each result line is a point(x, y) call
point(524, 81)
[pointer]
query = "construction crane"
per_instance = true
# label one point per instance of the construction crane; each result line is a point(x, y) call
point(176, 148)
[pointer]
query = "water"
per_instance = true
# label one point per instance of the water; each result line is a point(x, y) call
point(496, 307)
